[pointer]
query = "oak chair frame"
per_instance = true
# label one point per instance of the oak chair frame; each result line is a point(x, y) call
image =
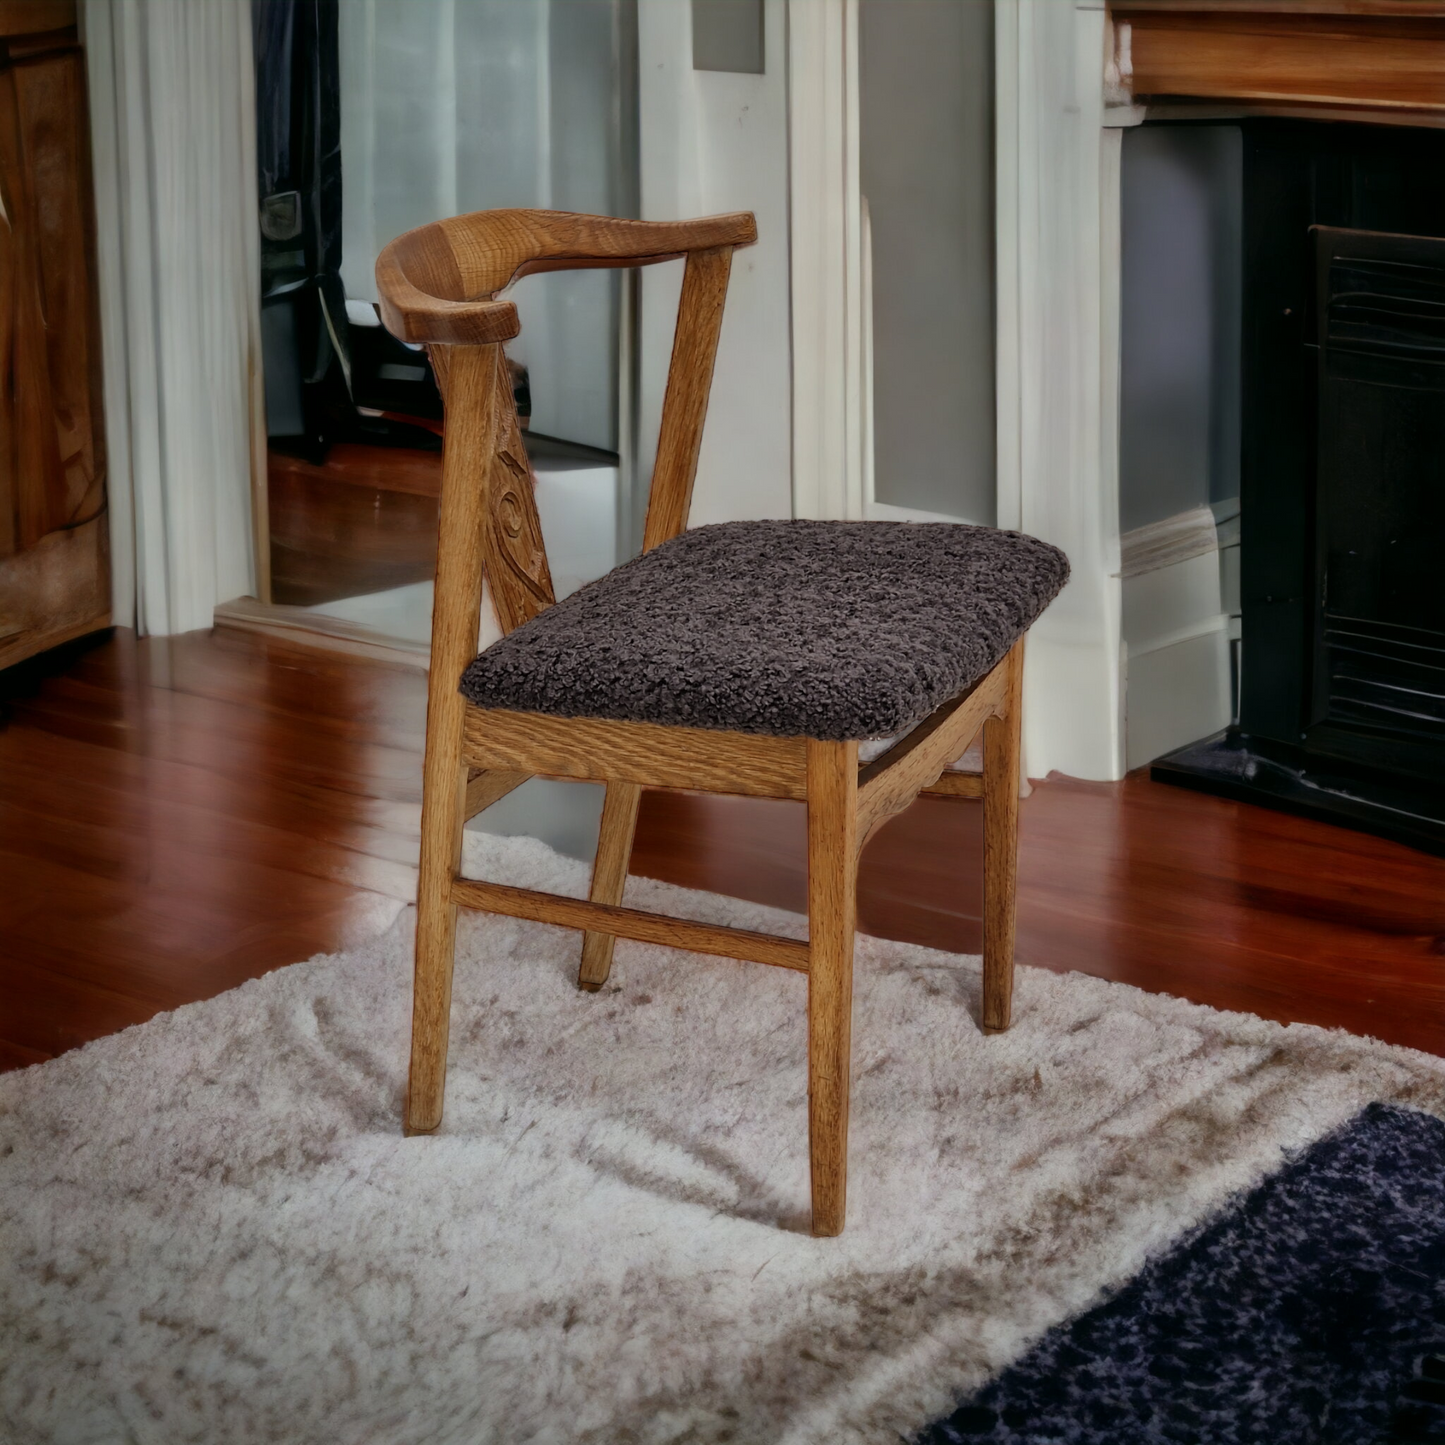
point(439, 286)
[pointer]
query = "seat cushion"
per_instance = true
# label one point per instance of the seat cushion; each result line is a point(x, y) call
point(830, 630)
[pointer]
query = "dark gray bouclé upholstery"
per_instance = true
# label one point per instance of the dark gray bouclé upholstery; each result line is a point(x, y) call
point(822, 629)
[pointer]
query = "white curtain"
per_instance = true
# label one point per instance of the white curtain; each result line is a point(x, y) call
point(450, 106)
point(173, 131)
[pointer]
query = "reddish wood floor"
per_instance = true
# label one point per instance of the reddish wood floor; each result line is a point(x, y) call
point(178, 815)
point(363, 520)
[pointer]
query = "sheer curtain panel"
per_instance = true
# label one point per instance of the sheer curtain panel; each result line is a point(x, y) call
point(464, 105)
point(173, 131)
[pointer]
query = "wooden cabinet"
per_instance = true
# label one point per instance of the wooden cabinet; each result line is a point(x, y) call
point(54, 562)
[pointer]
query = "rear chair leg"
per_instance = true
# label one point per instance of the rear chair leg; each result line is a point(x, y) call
point(609, 877)
point(442, 816)
point(832, 918)
point(1000, 848)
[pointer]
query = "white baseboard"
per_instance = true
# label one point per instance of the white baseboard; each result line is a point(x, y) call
point(1176, 694)
point(1176, 641)
point(311, 629)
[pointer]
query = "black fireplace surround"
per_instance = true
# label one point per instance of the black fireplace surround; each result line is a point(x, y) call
point(1342, 487)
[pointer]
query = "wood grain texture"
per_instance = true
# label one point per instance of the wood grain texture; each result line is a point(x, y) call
point(890, 783)
point(514, 555)
point(55, 590)
point(248, 803)
point(605, 750)
point(1000, 843)
point(684, 405)
point(54, 558)
point(178, 815)
point(471, 433)
point(58, 458)
point(832, 921)
point(1371, 60)
point(484, 789)
point(1415, 8)
point(35, 17)
point(955, 785)
point(633, 923)
point(372, 468)
point(337, 531)
point(609, 876)
point(437, 284)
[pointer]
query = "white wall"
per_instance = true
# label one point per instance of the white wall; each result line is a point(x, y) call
point(1181, 204)
point(1182, 193)
point(1057, 179)
point(925, 80)
point(715, 141)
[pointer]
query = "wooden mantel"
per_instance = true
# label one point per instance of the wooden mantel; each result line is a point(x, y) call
point(1356, 55)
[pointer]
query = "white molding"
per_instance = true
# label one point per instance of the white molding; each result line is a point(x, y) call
point(870, 443)
point(1178, 691)
point(1057, 206)
point(887, 512)
point(1163, 543)
point(827, 265)
point(1219, 622)
point(1176, 641)
point(306, 628)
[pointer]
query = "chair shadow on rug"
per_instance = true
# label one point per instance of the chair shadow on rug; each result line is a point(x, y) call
point(748, 658)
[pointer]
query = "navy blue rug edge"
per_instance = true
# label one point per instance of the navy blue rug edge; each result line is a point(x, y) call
point(1294, 1314)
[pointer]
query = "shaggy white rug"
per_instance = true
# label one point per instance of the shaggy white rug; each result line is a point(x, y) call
point(212, 1229)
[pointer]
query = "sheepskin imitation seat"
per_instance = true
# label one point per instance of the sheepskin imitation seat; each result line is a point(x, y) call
point(828, 630)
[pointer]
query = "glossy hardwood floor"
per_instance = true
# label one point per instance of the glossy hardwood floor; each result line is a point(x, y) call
point(362, 521)
point(179, 815)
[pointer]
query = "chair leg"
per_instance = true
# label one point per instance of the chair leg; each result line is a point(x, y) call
point(609, 877)
point(471, 384)
point(442, 815)
point(1000, 849)
point(832, 919)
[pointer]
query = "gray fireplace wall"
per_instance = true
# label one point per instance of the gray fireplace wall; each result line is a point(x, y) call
point(1182, 196)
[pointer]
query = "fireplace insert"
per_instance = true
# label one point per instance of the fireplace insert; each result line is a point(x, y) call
point(1342, 483)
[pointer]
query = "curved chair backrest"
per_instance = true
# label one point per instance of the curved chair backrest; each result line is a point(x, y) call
point(438, 286)
point(438, 283)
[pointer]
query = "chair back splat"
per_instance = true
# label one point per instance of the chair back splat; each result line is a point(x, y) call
point(439, 286)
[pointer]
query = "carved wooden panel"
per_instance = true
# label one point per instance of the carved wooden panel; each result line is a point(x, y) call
point(514, 556)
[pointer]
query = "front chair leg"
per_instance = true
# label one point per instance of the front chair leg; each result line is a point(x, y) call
point(471, 374)
point(1000, 847)
point(609, 877)
point(832, 919)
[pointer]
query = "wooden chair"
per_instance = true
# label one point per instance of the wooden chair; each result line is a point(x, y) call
point(438, 286)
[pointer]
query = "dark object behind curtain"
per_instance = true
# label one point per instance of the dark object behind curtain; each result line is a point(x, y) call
point(319, 369)
point(298, 163)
